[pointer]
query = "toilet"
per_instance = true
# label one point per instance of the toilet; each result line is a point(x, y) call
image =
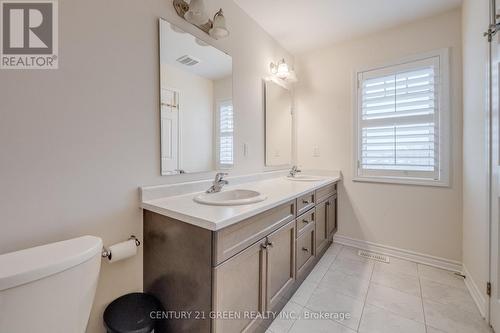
point(49, 288)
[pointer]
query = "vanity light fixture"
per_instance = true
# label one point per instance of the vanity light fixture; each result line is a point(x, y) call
point(282, 71)
point(219, 29)
point(194, 12)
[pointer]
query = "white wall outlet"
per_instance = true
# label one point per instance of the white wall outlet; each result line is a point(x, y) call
point(316, 152)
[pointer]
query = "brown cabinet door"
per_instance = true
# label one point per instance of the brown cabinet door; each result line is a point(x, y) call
point(280, 264)
point(239, 285)
point(332, 215)
point(322, 214)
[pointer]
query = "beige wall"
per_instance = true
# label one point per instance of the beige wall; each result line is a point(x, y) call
point(78, 141)
point(417, 218)
point(475, 186)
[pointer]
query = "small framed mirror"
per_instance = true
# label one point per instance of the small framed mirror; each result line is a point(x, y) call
point(279, 124)
point(196, 104)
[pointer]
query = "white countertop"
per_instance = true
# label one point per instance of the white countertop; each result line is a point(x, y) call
point(278, 191)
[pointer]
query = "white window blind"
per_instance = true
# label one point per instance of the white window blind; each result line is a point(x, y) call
point(226, 134)
point(399, 121)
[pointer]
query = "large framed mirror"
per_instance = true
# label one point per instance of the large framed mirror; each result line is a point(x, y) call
point(197, 128)
point(279, 124)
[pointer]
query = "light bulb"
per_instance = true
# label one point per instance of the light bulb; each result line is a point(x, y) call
point(219, 29)
point(196, 13)
point(283, 70)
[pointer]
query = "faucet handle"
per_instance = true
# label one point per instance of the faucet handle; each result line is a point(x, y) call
point(220, 176)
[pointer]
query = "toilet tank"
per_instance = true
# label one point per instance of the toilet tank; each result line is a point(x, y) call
point(49, 288)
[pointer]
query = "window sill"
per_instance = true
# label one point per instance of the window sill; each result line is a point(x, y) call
point(402, 181)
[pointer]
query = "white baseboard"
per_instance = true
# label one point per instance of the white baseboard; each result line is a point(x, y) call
point(475, 292)
point(451, 265)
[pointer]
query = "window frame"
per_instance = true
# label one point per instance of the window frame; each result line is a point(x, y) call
point(443, 119)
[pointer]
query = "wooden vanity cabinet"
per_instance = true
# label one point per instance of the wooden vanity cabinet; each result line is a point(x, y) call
point(280, 249)
point(331, 218)
point(322, 231)
point(238, 287)
point(222, 280)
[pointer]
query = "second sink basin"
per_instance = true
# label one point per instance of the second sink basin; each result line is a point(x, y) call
point(230, 198)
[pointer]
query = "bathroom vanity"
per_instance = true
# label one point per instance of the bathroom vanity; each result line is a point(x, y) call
point(223, 268)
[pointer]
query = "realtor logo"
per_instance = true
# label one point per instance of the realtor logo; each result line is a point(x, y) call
point(28, 34)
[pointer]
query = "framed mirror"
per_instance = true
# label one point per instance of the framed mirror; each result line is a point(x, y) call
point(278, 119)
point(196, 104)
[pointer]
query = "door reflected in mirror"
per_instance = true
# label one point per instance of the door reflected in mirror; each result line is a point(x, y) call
point(278, 110)
point(197, 128)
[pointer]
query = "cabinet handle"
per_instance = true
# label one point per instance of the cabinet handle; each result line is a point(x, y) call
point(270, 243)
point(328, 203)
point(305, 202)
point(305, 221)
point(263, 246)
point(305, 249)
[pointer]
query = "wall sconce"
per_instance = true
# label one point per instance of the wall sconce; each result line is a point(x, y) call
point(282, 71)
point(195, 13)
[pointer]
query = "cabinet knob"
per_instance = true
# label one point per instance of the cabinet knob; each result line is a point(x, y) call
point(263, 246)
point(270, 243)
point(305, 249)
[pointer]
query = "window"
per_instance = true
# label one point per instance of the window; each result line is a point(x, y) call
point(226, 134)
point(402, 122)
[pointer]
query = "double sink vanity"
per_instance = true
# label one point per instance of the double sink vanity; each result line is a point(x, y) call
point(224, 256)
point(224, 260)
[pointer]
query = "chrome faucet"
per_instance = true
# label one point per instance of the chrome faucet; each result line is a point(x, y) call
point(294, 171)
point(218, 183)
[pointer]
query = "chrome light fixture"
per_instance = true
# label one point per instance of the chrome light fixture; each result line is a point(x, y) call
point(194, 12)
point(219, 29)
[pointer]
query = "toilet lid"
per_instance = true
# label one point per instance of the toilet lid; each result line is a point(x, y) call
point(21, 267)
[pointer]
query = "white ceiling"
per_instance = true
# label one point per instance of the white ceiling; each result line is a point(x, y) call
point(301, 25)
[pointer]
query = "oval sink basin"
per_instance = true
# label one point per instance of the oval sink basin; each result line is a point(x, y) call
point(305, 178)
point(230, 198)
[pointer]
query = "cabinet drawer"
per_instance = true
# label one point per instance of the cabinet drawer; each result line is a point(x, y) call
point(304, 220)
point(237, 237)
point(325, 192)
point(305, 202)
point(305, 248)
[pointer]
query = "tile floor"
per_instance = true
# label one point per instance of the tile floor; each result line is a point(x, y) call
point(399, 297)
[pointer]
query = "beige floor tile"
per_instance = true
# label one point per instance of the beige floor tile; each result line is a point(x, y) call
point(345, 284)
point(317, 273)
point(441, 276)
point(450, 318)
point(398, 302)
point(448, 295)
point(304, 292)
point(377, 320)
point(434, 330)
point(310, 322)
point(327, 300)
point(394, 279)
point(356, 268)
point(286, 318)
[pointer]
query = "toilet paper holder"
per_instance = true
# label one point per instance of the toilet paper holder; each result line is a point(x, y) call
point(106, 253)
